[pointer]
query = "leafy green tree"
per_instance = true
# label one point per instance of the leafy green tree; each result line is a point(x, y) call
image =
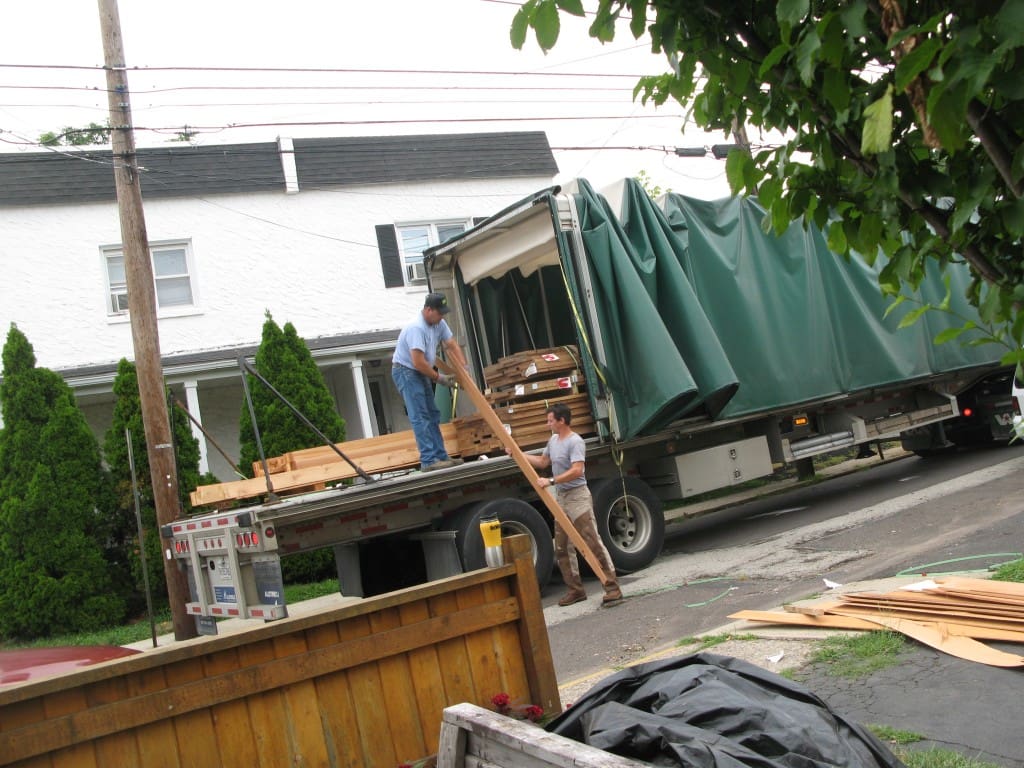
point(124, 552)
point(54, 504)
point(94, 133)
point(284, 360)
point(653, 190)
point(900, 121)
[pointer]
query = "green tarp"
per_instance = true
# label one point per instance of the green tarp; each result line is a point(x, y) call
point(799, 323)
point(663, 359)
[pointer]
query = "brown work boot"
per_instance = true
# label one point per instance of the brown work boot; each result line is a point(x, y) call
point(612, 594)
point(571, 597)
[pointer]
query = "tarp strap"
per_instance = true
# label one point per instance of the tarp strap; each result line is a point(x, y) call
point(579, 324)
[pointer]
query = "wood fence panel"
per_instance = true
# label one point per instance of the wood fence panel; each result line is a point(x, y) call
point(360, 684)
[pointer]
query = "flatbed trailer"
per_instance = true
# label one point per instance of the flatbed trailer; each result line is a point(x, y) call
point(704, 369)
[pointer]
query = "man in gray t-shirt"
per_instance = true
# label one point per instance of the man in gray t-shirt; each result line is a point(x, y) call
point(566, 455)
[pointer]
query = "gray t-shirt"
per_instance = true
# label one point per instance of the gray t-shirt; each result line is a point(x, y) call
point(565, 453)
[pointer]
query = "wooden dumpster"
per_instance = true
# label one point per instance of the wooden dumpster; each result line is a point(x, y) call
point(359, 685)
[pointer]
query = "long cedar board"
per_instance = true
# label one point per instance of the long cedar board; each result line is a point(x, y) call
point(484, 408)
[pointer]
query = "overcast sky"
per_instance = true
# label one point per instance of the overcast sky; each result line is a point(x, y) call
point(445, 60)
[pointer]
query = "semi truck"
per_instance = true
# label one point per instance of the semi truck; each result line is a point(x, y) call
point(712, 353)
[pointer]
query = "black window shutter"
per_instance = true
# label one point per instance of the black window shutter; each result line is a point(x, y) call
point(390, 259)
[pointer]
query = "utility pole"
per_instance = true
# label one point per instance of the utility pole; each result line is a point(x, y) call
point(142, 307)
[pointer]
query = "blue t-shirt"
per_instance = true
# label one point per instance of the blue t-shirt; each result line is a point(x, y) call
point(565, 453)
point(420, 335)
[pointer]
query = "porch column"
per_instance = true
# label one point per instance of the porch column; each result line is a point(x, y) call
point(192, 400)
point(360, 386)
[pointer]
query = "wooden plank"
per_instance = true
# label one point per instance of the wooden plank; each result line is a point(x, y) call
point(337, 708)
point(466, 382)
point(371, 714)
point(805, 620)
point(451, 748)
point(266, 708)
point(156, 739)
point(521, 744)
point(961, 647)
point(910, 609)
point(864, 621)
point(396, 677)
point(193, 726)
point(481, 649)
point(70, 703)
point(304, 728)
point(533, 632)
point(458, 679)
point(235, 743)
point(117, 748)
point(359, 450)
point(934, 617)
point(425, 668)
point(982, 586)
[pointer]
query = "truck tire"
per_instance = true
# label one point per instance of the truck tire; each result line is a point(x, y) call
point(631, 526)
point(516, 517)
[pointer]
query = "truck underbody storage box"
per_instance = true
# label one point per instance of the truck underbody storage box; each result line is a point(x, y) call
point(689, 474)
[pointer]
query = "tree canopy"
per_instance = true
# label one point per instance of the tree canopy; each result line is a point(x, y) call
point(55, 501)
point(123, 549)
point(894, 125)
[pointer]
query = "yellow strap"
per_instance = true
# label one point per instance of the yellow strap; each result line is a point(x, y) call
point(579, 324)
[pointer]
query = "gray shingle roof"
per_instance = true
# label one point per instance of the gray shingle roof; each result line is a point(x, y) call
point(69, 177)
point(383, 159)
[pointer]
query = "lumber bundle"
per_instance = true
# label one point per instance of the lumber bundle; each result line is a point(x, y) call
point(532, 364)
point(951, 614)
point(526, 422)
point(520, 388)
point(399, 447)
point(571, 384)
point(297, 471)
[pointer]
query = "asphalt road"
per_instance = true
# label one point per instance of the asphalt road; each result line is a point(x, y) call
point(961, 512)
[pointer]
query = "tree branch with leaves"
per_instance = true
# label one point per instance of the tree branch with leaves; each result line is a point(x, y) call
point(899, 122)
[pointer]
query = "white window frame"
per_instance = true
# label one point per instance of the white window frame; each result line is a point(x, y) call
point(412, 261)
point(119, 290)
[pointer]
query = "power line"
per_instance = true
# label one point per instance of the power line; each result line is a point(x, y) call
point(325, 70)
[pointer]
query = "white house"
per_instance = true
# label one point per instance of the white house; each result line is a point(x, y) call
point(323, 233)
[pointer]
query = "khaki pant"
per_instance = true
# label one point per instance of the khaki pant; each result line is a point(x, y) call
point(579, 506)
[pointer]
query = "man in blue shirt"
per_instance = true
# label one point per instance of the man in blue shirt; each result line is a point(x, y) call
point(413, 372)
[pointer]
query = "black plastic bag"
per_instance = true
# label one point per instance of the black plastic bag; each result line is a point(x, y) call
point(711, 711)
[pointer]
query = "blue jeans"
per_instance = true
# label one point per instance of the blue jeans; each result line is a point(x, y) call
point(423, 414)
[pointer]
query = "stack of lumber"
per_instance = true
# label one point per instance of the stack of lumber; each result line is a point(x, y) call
point(951, 614)
point(520, 388)
point(312, 468)
point(533, 364)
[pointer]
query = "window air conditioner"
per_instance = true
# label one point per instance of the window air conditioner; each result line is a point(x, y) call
point(416, 272)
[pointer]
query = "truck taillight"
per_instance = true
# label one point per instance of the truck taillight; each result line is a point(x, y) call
point(269, 532)
point(181, 547)
point(968, 411)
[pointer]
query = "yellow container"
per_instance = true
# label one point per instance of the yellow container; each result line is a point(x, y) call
point(491, 531)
